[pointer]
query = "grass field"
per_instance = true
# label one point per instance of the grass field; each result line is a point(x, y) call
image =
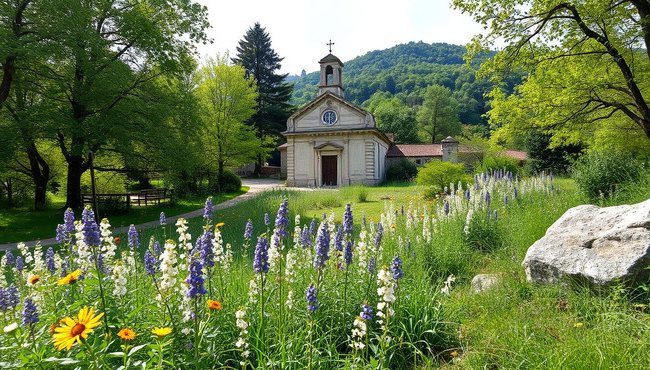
point(301, 314)
point(24, 224)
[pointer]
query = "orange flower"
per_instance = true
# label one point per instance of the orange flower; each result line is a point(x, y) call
point(214, 305)
point(117, 240)
point(127, 334)
point(219, 225)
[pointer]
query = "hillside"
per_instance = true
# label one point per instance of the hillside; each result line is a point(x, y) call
point(404, 71)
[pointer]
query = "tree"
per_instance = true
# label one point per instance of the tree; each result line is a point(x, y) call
point(438, 116)
point(227, 100)
point(394, 117)
point(549, 37)
point(15, 35)
point(102, 54)
point(261, 62)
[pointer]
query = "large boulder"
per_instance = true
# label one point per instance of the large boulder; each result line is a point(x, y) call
point(594, 244)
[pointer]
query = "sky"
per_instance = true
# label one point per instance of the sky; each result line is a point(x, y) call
point(300, 29)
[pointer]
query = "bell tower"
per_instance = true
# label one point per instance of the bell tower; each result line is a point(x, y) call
point(331, 74)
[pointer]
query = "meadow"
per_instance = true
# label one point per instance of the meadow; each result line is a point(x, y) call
point(354, 278)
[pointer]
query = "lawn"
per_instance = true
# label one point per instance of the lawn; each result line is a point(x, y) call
point(24, 224)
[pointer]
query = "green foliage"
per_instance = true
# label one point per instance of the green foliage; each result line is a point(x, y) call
point(587, 69)
point(259, 59)
point(498, 161)
point(438, 116)
point(394, 117)
point(227, 99)
point(403, 170)
point(482, 232)
point(600, 174)
point(543, 158)
point(229, 182)
point(436, 175)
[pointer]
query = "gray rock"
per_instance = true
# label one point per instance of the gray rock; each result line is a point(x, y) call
point(483, 282)
point(594, 244)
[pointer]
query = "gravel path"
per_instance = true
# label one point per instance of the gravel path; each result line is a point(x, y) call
point(256, 186)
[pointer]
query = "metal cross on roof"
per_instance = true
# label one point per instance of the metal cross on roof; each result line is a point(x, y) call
point(330, 45)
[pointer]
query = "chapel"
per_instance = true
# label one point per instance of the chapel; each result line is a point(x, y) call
point(330, 141)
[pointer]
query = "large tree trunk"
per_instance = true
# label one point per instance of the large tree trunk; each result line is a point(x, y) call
point(40, 175)
point(76, 168)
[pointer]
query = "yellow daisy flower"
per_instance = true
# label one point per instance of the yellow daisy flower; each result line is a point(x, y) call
point(219, 225)
point(127, 334)
point(161, 332)
point(70, 278)
point(72, 330)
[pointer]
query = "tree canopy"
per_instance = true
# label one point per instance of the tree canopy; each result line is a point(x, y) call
point(261, 62)
point(588, 64)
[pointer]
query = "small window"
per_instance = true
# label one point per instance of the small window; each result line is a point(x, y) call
point(418, 161)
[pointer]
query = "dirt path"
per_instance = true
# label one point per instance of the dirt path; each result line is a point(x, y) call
point(256, 186)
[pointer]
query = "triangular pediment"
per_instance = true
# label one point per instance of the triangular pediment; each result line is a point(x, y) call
point(328, 146)
point(309, 118)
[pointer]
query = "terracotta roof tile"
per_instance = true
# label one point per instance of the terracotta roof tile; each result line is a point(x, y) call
point(415, 150)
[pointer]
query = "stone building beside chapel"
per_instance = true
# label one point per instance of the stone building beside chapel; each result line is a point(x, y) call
point(332, 142)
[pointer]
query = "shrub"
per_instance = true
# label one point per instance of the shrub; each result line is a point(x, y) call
point(602, 173)
point(493, 163)
point(404, 170)
point(229, 182)
point(482, 232)
point(436, 175)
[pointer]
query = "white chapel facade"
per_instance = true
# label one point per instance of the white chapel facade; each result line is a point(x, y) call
point(331, 142)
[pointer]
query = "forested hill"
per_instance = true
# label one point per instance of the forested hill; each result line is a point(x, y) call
point(405, 71)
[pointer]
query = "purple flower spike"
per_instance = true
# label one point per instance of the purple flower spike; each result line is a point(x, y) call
point(163, 219)
point(322, 246)
point(446, 208)
point(348, 253)
point(338, 239)
point(150, 263)
point(366, 312)
point(305, 238)
point(379, 235)
point(396, 268)
point(30, 314)
point(267, 220)
point(281, 220)
point(61, 233)
point(371, 265)
point(312, 298)
point(68, 220)
point(134, 239)
point(20, 263)
point(261, 261)
point(195, 279)
point(248, 231)
point(208, 210)
point(10, 258)
point(313, 227)
point(204, 245)
point(348, 220)
point(90, 228)
point(49, 260)
point(157, 249)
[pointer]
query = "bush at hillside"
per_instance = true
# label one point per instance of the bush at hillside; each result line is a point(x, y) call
point(497, 162)
point(404, 170)
point(437, 175)
point(601, 174)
